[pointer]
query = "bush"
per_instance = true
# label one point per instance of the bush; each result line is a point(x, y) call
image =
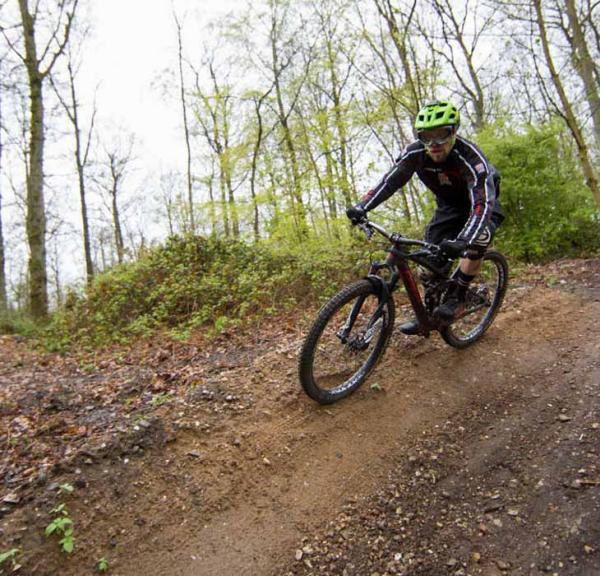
point(549, 211)
point(17, 323)
point(195, 282)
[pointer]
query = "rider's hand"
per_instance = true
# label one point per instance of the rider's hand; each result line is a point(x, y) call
point(356, 214)
point(453, 248)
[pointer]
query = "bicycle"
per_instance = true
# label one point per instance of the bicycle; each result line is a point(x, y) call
point(352, 330)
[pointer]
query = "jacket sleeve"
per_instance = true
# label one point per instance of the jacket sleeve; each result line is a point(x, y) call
point(482, 192)
point(398, 176)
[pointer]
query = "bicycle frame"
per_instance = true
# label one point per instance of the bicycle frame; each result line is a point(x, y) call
point(400, 269)
point(397, 263)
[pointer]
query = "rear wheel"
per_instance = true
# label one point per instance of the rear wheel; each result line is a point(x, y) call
point(346, 340)
point(483, 300)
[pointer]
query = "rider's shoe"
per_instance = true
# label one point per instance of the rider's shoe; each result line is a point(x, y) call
point(451, 309)
point(410, 328)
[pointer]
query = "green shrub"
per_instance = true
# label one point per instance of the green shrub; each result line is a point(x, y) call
point(549, 211)
point(192, 283)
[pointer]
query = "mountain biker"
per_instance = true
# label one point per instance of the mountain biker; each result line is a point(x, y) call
point(466, 189)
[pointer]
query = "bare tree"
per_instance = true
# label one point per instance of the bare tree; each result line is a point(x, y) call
point(39, 64)
point(186, 126)
point(82, 153)
point(214, 113)
point(258, 100)
point(338, 76)
point(3, 297)
point(282, 53)
point(458, 36)
point(398, 20)
point(117, 162)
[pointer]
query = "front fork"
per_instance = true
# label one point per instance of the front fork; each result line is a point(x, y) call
point(384, 292)
point(343, 332)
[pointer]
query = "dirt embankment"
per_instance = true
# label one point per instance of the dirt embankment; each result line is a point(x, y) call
point(195, 461)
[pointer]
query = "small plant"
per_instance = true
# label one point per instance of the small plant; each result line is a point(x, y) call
point(62, 525)
point(160, 399)
point(102, 565)
point(10, 556)
point(66, 488)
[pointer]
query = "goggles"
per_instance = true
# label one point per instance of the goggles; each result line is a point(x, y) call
point(438, 139)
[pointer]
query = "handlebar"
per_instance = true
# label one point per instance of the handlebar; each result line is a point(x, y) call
point(397, 239)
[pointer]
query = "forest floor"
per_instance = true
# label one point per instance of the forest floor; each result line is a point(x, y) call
point(195, 459)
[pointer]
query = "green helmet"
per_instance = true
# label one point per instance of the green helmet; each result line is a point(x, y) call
point(437, 114)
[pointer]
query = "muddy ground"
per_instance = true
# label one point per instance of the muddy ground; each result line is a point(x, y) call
point(197, 459)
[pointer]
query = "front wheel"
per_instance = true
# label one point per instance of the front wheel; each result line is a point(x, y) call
point(347, 338)
point(483, 300)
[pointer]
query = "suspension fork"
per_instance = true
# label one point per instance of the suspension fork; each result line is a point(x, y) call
point(343, 332)
point(384, 293)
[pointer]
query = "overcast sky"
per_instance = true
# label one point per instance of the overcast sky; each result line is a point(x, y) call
point(133, 42)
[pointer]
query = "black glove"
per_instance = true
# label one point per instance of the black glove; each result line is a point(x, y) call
point(453, 248)
point(356, 214)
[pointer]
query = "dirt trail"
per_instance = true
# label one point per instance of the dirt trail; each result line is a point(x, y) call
point(462, 464)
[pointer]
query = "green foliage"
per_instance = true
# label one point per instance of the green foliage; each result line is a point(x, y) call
point(102, 565)
point(66, 488)
point(17, 323)
point(62, 525)
point(215, 285)
point(10, 555)
point(549, 211)
point(195, 283)
point(160, 399)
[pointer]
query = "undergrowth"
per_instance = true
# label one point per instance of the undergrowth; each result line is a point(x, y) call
point(196, 283)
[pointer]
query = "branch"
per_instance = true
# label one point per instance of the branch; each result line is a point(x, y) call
point(61, 48)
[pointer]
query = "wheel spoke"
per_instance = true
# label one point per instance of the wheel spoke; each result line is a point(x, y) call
point(482, 302)
point(345, 342)
point(336, 361)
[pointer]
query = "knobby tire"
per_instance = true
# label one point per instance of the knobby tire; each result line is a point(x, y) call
point(311, 382)
point(450, 334)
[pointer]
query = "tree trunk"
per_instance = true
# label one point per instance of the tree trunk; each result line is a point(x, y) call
point(298, 208)
point(3, 296)
point(224, 205)
point(87, 243)
point(119, 245)
point(584, 66)
point(36, 214)
point(81, 157)
point(225, 164)
point(254, 166)
point(567, 111)
point(339, 122)
point(388, 12)
point(211, 200)
point(235, 224)
point(186, 129)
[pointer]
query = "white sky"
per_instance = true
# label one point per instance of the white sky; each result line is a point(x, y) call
point(133, 42)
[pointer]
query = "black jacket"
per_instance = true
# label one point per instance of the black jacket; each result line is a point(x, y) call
point(465, 184)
